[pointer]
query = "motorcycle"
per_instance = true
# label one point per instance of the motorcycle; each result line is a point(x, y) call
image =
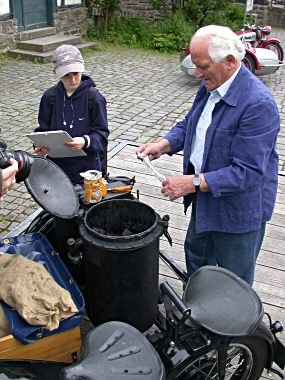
point(211, 332)
point(215, 330)
point(257, 37)
point(263, 55)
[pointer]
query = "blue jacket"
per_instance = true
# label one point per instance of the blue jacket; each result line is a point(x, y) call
point(240, 163)
point(74, 111)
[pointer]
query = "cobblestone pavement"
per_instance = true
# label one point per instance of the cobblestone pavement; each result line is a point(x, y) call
point(146, 94)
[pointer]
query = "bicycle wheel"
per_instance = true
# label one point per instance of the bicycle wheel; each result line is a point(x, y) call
point(245, 361)
point(277, 49)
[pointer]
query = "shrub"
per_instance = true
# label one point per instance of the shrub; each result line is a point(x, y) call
point(178, 22)
point(168, 35)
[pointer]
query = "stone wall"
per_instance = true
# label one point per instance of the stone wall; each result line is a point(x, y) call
point(138, 8)
point(270, 15)
point(71, 20)
point(8, 29)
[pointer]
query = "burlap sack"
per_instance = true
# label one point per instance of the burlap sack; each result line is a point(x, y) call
point(29, 288)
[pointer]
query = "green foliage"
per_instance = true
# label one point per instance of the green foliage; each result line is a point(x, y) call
point(198, 11)
point(122, 31)
point(3, 57)
point(250, 19)
point(168, 36)
point(165, 43)
point(179, 19)
point(105, 8)
point(232, 16)
point(166, 6)
point(175, 33)
point(204, 12)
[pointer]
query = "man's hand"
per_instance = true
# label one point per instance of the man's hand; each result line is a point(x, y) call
point(76, 144)
point(154, 150)
point(176, 187)
point(8, 177)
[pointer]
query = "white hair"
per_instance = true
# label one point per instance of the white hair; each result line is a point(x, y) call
point(222, 42)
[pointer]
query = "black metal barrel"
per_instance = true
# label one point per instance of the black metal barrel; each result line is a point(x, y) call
point(121, 248)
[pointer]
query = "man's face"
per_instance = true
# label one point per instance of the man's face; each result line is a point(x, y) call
point(214, 74)
point(71, 81)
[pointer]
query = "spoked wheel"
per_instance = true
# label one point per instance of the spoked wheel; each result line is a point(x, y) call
point(277, 49)
point(245, 361)
point(249, 63)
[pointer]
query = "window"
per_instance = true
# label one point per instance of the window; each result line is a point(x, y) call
point(64, 3)
point(4, 7)
point(278, 2)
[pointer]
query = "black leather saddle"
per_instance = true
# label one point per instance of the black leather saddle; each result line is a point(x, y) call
point(222, 302)
point(116, 350)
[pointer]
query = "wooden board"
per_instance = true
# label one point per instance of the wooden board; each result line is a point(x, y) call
point(62, 347)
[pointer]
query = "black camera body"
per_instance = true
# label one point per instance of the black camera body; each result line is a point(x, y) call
point(24, 160)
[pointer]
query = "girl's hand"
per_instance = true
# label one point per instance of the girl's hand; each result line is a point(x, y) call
point(41, 150)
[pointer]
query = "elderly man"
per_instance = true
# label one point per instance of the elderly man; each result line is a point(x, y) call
point(230, 165)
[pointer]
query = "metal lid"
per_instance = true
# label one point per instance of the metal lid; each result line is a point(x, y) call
point(52, 189)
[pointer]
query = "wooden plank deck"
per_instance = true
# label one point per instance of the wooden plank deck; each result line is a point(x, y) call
point(270, 271)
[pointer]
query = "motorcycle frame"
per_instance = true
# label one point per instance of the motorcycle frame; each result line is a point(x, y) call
point(173, 330)
point(178, 344)
point(266, 42)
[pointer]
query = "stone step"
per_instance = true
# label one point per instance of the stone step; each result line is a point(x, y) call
point(35, 33)
point(45, 44)
point(42, 57)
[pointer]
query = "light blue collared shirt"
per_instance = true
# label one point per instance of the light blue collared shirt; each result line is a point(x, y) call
point(198, 143)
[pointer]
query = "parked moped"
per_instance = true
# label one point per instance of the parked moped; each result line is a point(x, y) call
point(258, 37)
point(263, 55)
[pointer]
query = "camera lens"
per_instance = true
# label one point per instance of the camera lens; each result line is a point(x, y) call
point(25, 162)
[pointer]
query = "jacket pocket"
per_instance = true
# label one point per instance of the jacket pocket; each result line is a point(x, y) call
point(244, 210)
point(220, 149)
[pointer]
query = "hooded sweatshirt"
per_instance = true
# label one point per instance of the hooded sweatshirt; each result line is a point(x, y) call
point(71, 114)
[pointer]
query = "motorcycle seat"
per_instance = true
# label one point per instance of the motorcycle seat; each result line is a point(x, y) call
point(116, 350)
point(222, 303)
